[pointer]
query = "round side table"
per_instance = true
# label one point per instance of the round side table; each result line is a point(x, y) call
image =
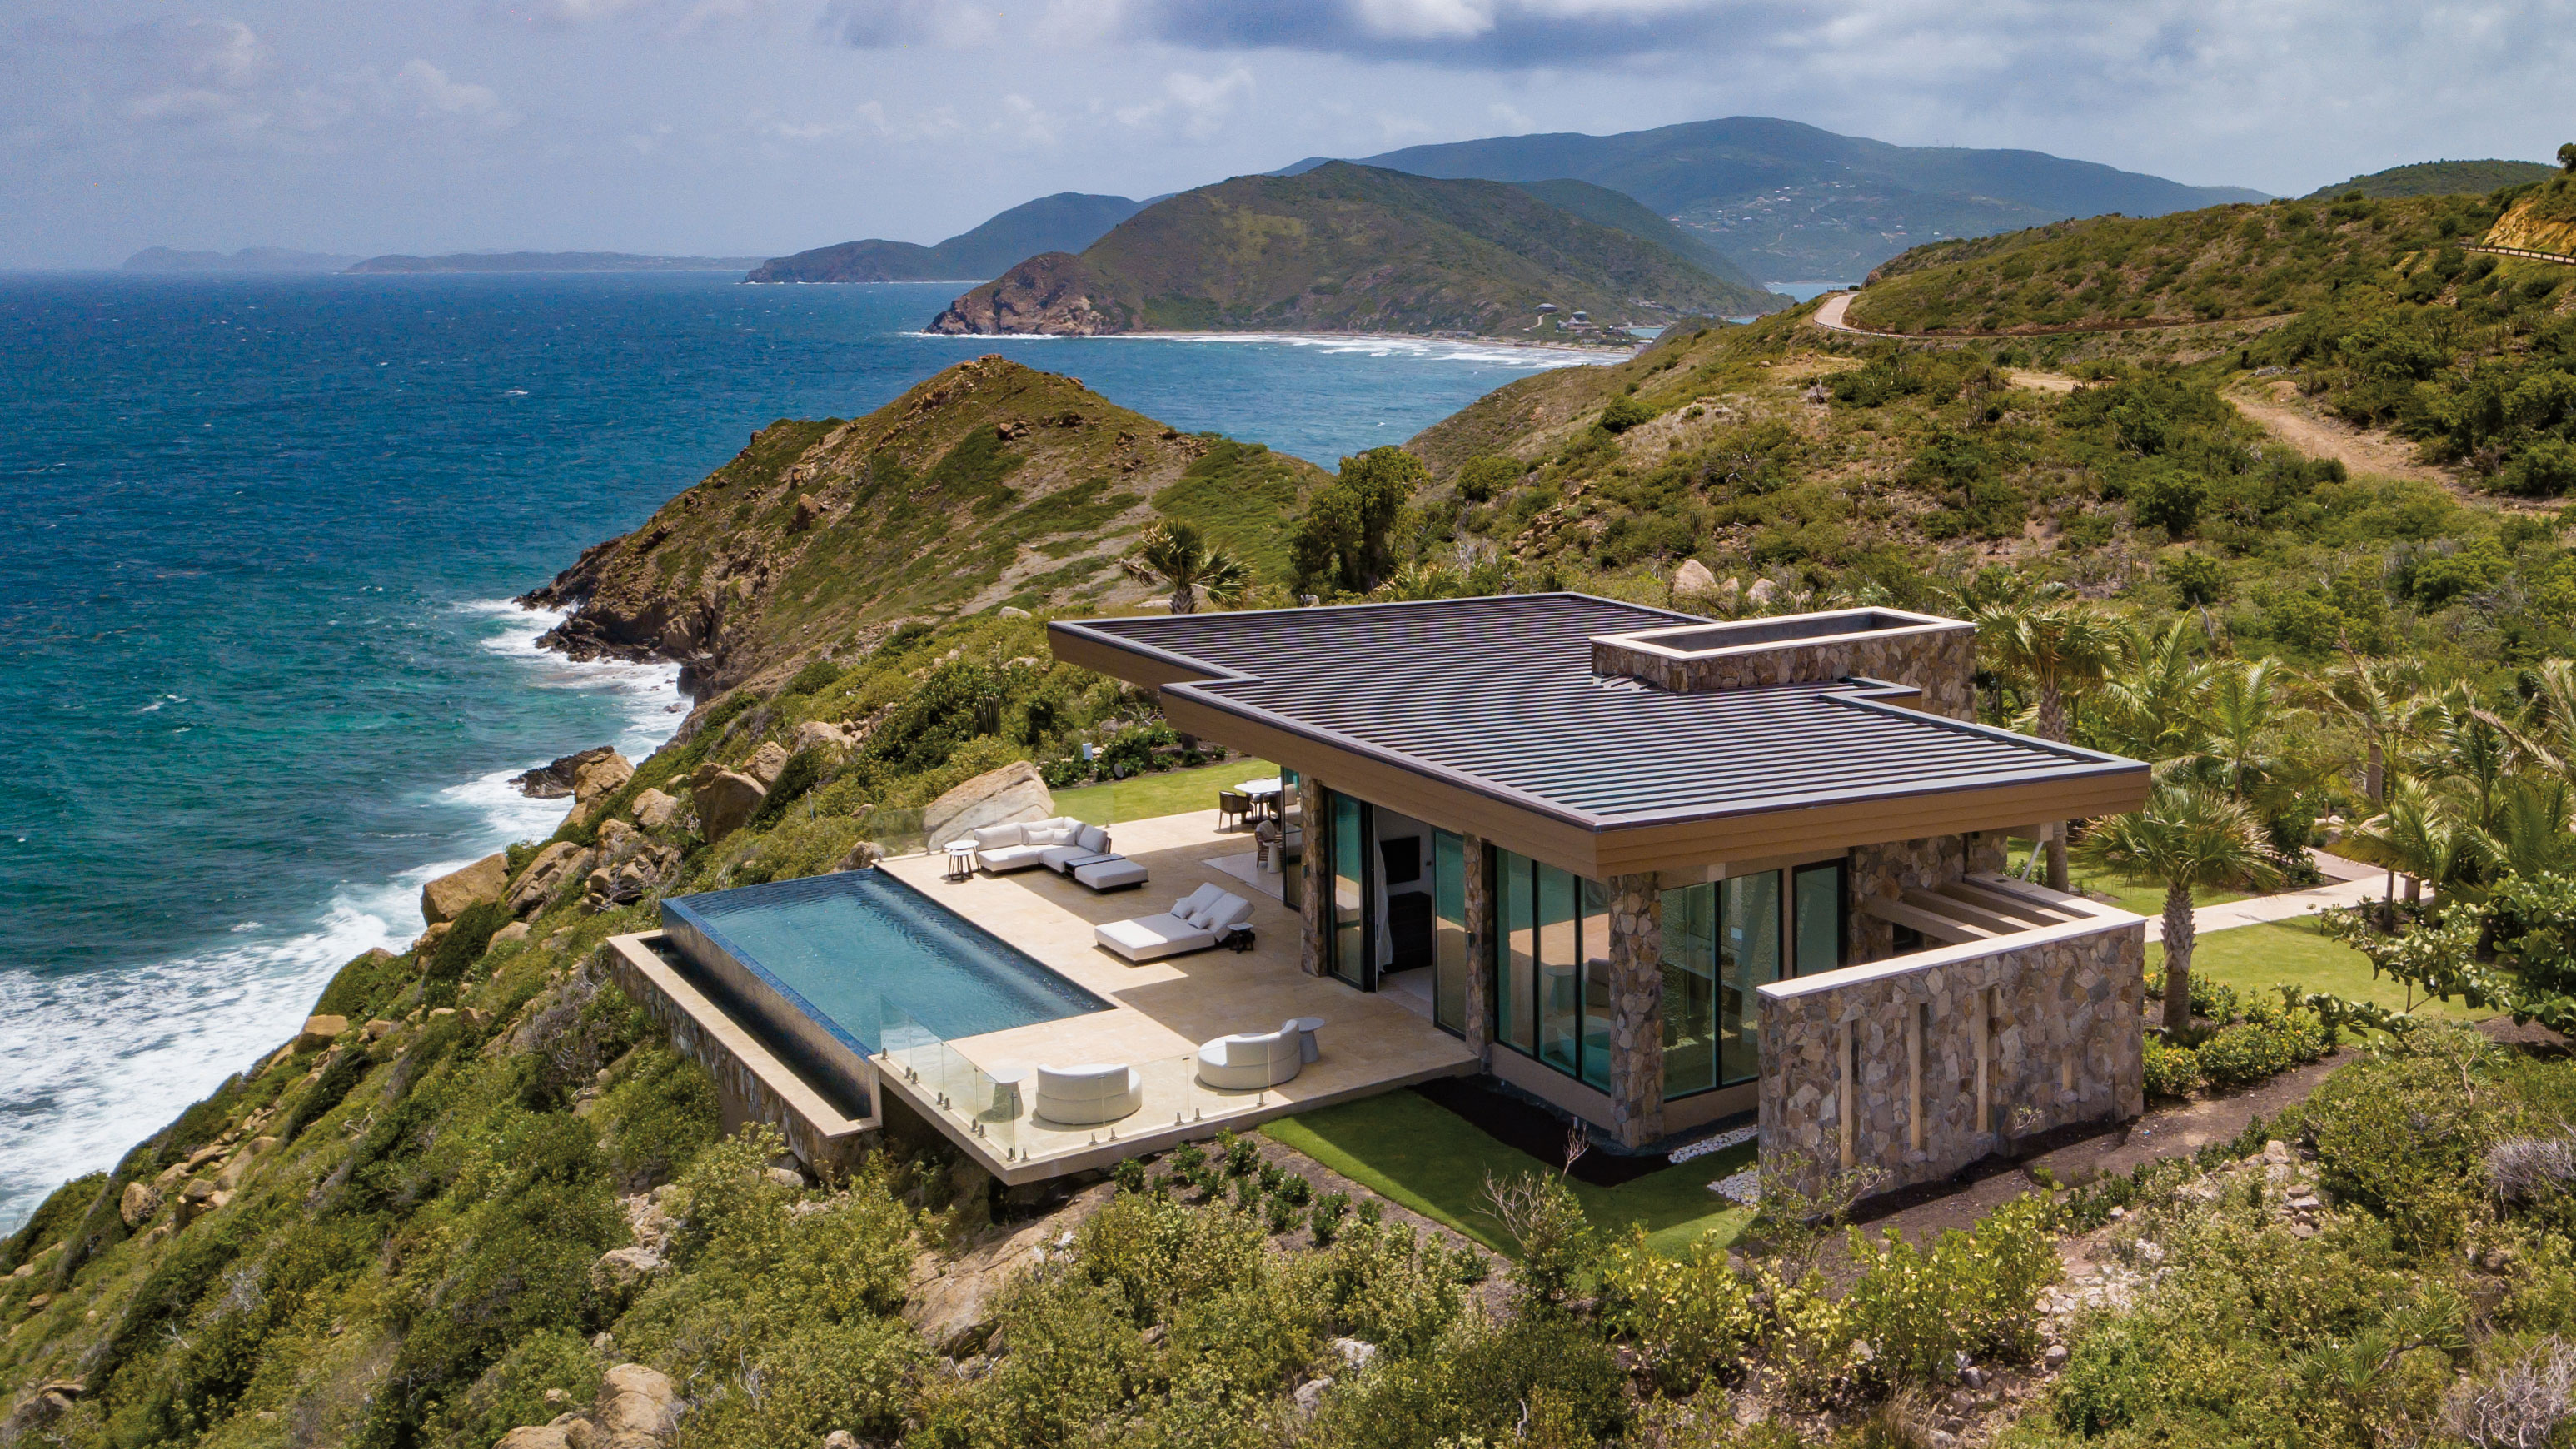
point(1306, 1027)
point(961, 860)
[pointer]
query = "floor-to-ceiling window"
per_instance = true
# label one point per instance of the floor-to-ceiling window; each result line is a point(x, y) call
point(1353, 954)
point(1721, 943)
point(1552, 989)
point(1449, 930)
point(1516, 952)
point(1292, 842)
point(1560, 972)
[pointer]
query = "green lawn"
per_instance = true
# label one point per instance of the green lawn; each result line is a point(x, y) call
point(2129, 893)
point(2256, 959)
point(1408, 1148)
point(1174, 792)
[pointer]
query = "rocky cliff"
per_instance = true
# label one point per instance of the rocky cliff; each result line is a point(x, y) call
point(1054, 295)
point(2541, 220)
point(987, 485)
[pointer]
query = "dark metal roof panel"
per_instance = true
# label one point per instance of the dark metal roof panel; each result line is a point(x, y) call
point(1501, 691)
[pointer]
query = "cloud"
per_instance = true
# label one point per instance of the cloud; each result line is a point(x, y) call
point(1194, 105)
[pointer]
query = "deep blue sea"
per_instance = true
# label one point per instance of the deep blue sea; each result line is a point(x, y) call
point(259, 677)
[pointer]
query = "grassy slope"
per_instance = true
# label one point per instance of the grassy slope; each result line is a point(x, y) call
point(2439, 178)
point(1174, 792)
point(1349, 248)
point(2223, 263)
point(928, 511)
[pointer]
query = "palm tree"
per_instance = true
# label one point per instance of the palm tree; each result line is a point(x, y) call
point(2372, 695)
point(2529, 835)
point(2419, 835)
point(2155, 698)
point(1175, 555)
point(2187, 837)
point(2049, 636)
point(2469, 744)
point(2244, 746)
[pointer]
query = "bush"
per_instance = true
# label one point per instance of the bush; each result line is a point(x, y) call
point(661, 1113)
point(467, 938)
point(1683, 1315)
point(2197, 577)
point(2253, 1050)
point(2171, 1071)
point(1974, 1293)
point(804, 770)
point(814, 678)
point(512, 1391)
point(1625, 413)
point(340, 1078)
point(1482, 478)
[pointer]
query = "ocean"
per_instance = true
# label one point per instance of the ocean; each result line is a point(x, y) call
point(259, 672)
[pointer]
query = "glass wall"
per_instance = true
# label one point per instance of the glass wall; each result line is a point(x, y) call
point(1292, 842)
point(1516, 947)
point(1748, 956)
point(1690, 990)
point(1722, 942)
point(1552, 996)
point(1449, 930)
point(1352, 956)
point(1560, 968)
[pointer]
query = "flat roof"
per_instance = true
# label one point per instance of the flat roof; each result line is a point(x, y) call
point(1497, 698)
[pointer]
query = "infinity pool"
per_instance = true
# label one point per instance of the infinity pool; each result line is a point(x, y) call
point(867, 959)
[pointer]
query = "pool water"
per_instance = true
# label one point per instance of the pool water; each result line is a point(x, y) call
point(867, 956)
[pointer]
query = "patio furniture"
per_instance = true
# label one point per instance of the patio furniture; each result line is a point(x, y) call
point(1089, 1095)
point(1021, 844)
point(1193, 924)
point(1007, 1089)
point(961, 859)
point(1237, 939)
point(1088, 843)
point(1266, 794)
point(1109, 873)
point(1306, 1027)
point(1232, 806)
point(1251, 1061)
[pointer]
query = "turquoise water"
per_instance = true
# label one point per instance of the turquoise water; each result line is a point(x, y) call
point(259, 677)
point(868, 954)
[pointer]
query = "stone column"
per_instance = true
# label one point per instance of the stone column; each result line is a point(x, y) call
point(1636, 1010)
point(1315, 872)
point(1479, 1024)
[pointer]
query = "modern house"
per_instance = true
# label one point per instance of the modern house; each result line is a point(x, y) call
point(1660, 871)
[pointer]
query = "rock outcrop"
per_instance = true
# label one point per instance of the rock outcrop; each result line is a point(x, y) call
point(320, 1031)
point(725, 801)
point(654, 810)
point(452, 894)
point(1014, 792)
point(1053, 295)
point(637, 1408)
point(545, 876)
point(555, 781)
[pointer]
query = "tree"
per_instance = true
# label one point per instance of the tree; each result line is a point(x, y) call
point(1346, 537)
point(2419, 835)
point(1174, 555)
point(2567, 158)
point(2188, 836)
point(2046, 634)
point(2372, 695)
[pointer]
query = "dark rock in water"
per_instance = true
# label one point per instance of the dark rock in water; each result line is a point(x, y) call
point(555, 781)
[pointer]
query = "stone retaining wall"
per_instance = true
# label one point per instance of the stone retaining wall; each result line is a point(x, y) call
point(1919, 1066)
point(1939, 661)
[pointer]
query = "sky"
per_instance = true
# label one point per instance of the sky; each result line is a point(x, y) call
point(759, 127)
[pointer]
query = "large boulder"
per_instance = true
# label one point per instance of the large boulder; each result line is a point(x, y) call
point(555, 781)
point(320, 1032)
point(653, 809)
point(767, 763)
point(997, 797)
point(545, 875)
point(638, 1408)
point(815, 734)
point(1693, 580)
point(603, 774)
point(139, 1203)
point(726, 801)
point(449, 896)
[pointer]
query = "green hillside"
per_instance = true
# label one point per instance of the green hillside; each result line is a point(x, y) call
point(988, 484)
point(1349, 248)
point(1605, 207)
point(2438, 178)
point(2222, 263)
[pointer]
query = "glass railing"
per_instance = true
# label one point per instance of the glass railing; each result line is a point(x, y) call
point(1003, 1113)
point(899, 831)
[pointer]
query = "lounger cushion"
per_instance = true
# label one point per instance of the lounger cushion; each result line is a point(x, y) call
point(1093, 839)
point(1110, 874)
point(1090, 1094)
point(1251, 1060)
point(1150, 938)
point(1011, 857)
point(1196, 899)
point(994, 837)
point(1229, 910)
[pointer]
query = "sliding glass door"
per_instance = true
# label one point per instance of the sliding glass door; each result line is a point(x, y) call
point(1449, 930)
point(1552, 989)
point(1723, 942)
point(1354, 948)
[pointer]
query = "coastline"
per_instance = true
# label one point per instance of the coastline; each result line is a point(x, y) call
point(1570, 353)
point(127, 1049)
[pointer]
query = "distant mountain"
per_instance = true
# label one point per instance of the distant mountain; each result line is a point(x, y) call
point(1065, 222)
point(1356, 249)
point(248, 259)
point(554, 262)
point(1790, 202)
point(1601, 205)
point(2439, 178)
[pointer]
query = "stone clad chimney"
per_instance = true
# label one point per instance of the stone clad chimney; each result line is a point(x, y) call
point(1935, 657)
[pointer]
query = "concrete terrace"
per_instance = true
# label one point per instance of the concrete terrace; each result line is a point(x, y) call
point(1161, 1011)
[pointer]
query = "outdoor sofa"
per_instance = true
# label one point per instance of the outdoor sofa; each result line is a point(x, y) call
point(1251, 1060)
point(1194, 923)
point(1086, 1096)
point(1051, 843)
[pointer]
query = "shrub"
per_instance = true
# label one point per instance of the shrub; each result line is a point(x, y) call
point(1975, 1293)
point(2171, 1071)
point(661, 1113)
point(1625, 413)
point(468, 936)
point(2197, 577)
point(1683, 1315)
point(2107, 1381)
point(2253, 1050)
point(1546, 1221)
point(1327, 1216)
point(1384, 1284)
point(341, 1077)
point(814, 678)
point(1538, 1379)
point(1484, 477)
point(815, 1378)
point(512, 1391)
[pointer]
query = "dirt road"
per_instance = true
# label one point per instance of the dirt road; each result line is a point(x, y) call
point(2279, 411)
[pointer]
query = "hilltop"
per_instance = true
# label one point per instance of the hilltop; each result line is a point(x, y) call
point(2438, 178)
point(1791, 202)
point(1351, 248)
point(988, 484)
point(2218, 264)
point(1065, 222)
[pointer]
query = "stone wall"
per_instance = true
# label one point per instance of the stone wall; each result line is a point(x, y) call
point(1920, 1066)
point(1636, 1010)
point(1888, 870)
point(1315, 875)
point(1940, 662)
